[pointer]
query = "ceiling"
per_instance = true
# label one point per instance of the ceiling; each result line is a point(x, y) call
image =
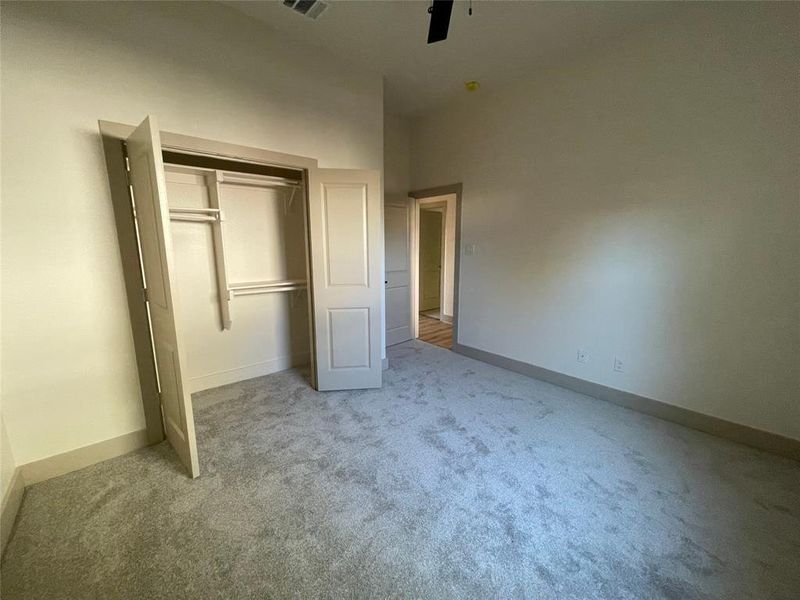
point(500, 43)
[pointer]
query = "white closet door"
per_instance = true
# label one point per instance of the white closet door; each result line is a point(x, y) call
point(152, 215)
point(345, 239)
point(397, 217)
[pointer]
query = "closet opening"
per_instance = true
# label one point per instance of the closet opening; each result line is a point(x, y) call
point(240, 258)
point(240, 262)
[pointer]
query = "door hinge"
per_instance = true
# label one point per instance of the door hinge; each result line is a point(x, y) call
point(145, 295)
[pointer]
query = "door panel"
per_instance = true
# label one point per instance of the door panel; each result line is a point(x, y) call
point(345, 215)
point(350, 328)
point(345, 241)
point(430, 259)
point(152, 214)
point(397, 224)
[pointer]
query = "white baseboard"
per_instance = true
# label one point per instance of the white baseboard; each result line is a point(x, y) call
point(213, 380)
point(736, 432)
point(398, 335)
point(446, 318)
point(10, 506)
point(60, 464)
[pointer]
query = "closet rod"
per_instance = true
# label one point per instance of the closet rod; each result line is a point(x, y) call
point(272, 290)
point(182, 157)
point(211, 211)
point(259, 183)
point(193, 218)
point(255, 285)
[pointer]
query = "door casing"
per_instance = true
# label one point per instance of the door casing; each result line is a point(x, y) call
point(113, 136)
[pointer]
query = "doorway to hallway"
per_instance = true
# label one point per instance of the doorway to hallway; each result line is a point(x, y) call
point(422, 266)
point(433, 255)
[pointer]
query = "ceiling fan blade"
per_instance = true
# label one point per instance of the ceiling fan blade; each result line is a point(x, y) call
point(440, 20)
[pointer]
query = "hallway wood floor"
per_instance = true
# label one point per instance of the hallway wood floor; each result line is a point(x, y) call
point(435, 331)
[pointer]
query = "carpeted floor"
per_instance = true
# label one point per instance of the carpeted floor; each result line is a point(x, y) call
point(456, 480)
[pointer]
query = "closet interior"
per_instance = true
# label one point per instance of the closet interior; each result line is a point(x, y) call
point(240, 256)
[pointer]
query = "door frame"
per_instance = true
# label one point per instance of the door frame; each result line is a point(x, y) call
point(113, 136)
point(417, 195)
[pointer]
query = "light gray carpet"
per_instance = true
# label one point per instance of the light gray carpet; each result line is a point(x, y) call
point(456, 480)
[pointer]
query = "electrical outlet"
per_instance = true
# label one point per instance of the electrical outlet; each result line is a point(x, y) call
point(582, 356)
point(469, 249)
point(619, 366)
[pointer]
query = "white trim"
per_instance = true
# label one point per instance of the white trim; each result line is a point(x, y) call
point(259, 369)
point(414, 275)
point(72, 460)
point(12, 499)
point(200, 146)
point(736, 432)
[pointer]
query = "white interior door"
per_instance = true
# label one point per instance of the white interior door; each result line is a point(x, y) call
point(152, 216)
point(345, 237)
point(430, 259)
point(397, 218)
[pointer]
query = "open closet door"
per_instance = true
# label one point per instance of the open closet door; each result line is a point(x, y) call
point(345, 239)
point(397, 225)
point(152, 215)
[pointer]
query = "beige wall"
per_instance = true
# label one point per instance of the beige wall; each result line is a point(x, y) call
point(396, 157)
point(69, 377)
point(642, 203)
point(263, 242)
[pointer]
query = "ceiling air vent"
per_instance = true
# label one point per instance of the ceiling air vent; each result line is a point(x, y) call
point(310, 8)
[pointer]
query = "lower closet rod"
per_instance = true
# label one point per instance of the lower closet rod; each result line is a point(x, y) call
point(193, 219)
point(253, 292)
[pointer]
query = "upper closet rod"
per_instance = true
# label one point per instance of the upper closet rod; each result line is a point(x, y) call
point(259, 181)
